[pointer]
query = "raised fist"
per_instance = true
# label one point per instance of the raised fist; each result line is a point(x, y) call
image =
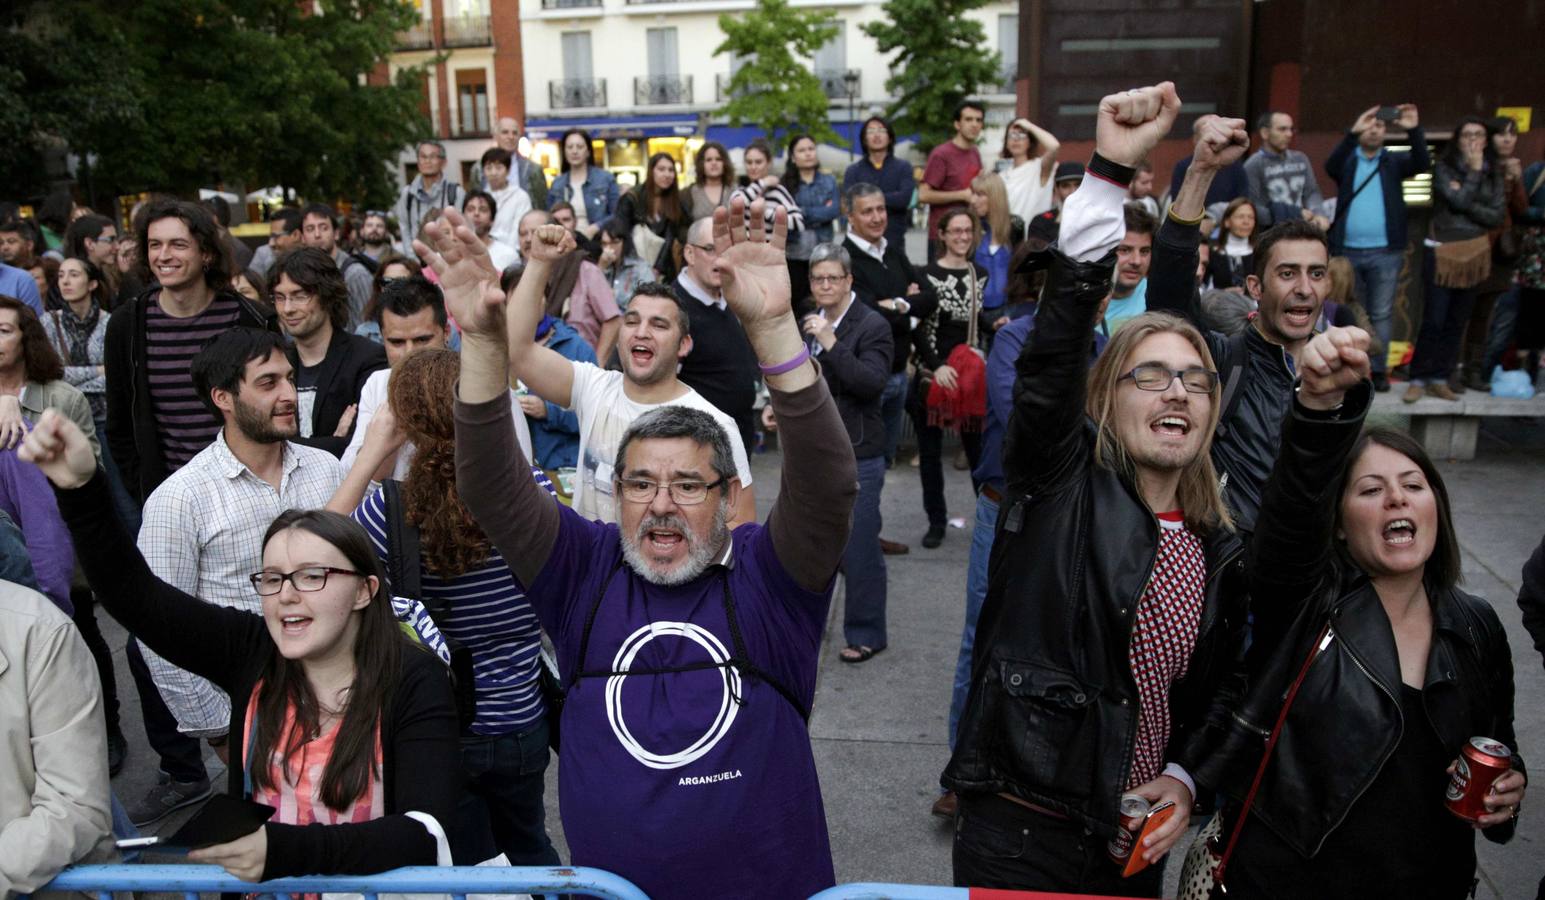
point(1131, 123)
point(1220, 142)
point(1331, 364)
point(550, 243)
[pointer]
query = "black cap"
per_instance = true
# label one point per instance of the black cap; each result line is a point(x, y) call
point(1069, 171)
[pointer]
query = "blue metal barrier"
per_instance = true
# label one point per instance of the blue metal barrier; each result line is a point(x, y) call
point(457, 881)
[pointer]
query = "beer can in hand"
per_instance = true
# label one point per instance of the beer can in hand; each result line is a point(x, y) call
point(1131, 813)
point(1481, 762)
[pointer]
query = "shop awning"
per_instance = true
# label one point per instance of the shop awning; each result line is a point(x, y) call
point(603, 128)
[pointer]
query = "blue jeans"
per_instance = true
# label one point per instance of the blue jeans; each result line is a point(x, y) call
point(501, 809)
point(893, 404)
point(1376, 273)
point(863, 565)
point(1504, 317)
point(976, 592)
point(1445, 314)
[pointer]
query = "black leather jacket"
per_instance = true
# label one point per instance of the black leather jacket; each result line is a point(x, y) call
point(1346, 720)
point(1053, 709)
point(1246, 445)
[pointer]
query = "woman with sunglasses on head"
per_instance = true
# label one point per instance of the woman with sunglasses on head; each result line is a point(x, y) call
point(1389, 669)
point(392, 267)
point(337, 721)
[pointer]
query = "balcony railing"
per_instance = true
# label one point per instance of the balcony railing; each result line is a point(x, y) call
point(1008, 81)
point(574, 93)
point(418, 37)
point(834, 82)
point(662, 90)
point(570, 4)
point(468, 31)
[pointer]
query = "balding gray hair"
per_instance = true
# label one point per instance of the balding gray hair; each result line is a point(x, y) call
point(831, 252)
point(701, 231)
point(680, 422)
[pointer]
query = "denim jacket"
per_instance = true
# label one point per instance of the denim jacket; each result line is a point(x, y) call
point(818, 201)
point(600, 194)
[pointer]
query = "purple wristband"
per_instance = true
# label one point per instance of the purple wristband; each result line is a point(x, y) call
point(799, 360)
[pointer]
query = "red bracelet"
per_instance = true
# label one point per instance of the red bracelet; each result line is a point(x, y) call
point(800, 359)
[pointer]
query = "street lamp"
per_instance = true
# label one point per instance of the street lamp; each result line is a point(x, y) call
point(850, 79)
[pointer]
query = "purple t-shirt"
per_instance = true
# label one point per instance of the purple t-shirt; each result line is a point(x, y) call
point(666, 779)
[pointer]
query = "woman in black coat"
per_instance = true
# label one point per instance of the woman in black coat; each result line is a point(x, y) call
point(1355, 554)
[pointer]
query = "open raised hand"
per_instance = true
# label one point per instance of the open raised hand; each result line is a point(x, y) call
point(467, 276)
point(752, 263)
point(1220, 142)
point(58, 447)
point(1131, 123)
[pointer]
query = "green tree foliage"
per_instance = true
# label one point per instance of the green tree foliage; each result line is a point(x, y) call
point(775, 90)
point(181, 94)
point(940, 60)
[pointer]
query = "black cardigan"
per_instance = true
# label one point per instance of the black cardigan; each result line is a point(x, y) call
point(874, 281)
point(349, 363)
point(421, 768)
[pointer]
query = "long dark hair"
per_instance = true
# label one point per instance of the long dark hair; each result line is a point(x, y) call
point(1454, 157)
point(217, 272)
point(728, 178)
point(1442, 570)
point(378, 648)
point(890, 136)
point(102, 296)
point(38, 357)
point(791, 176)
point(666, 203)
point(563, 156)
point(422, 391)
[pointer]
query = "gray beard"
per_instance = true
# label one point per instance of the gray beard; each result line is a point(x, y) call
point(700, 553)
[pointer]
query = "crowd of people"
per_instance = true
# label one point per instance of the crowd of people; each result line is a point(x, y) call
point(341, 487)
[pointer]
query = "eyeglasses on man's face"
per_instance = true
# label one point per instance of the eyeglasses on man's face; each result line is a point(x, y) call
point(825, 280)
point(687, 492)
point(1155, 377)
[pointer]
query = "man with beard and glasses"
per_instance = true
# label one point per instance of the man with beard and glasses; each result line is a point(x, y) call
point(1111, 510)
point(656, 335)
point(1259, 365)
point(689, 651)
point(203, 527)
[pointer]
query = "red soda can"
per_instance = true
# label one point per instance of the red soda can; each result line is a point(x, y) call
point(1481, 762)
point(1131, 813)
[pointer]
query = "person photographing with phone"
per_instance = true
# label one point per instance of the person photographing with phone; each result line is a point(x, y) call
point(336, 719)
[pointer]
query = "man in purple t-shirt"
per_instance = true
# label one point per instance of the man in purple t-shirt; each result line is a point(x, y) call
point(688, 651)
point(951, 166)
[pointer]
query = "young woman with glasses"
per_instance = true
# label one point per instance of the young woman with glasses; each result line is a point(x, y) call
point(337, 721)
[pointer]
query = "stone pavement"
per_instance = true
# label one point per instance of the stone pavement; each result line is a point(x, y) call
point(878, 728)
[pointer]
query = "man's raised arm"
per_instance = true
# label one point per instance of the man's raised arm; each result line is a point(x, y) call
point(809, 522)
point(1220, 143)
point(493, 475)
point(545, 371)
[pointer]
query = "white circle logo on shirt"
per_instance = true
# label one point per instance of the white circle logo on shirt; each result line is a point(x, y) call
point(727, 705)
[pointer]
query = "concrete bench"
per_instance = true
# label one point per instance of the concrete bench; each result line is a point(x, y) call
point(1448, 429)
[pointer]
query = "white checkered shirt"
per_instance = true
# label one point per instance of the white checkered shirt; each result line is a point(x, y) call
point(202, 533)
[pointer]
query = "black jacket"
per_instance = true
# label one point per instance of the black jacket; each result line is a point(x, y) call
point(874, 281)
point(349, 363)
point(1245, 445)
point(1053, 710)
point(856, 369)
point(131, 423)
point(1346, 720)
point(1531, 597)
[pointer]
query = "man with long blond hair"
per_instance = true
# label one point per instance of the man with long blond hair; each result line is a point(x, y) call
point(1106, 633)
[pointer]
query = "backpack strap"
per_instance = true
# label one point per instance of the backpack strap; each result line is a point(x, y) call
point(402, 566)
point(1231, 374)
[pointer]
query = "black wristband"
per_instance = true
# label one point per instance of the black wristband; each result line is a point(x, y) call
point(1113, 172)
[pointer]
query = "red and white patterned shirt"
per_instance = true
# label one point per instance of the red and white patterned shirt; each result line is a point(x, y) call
point(1163, 638)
